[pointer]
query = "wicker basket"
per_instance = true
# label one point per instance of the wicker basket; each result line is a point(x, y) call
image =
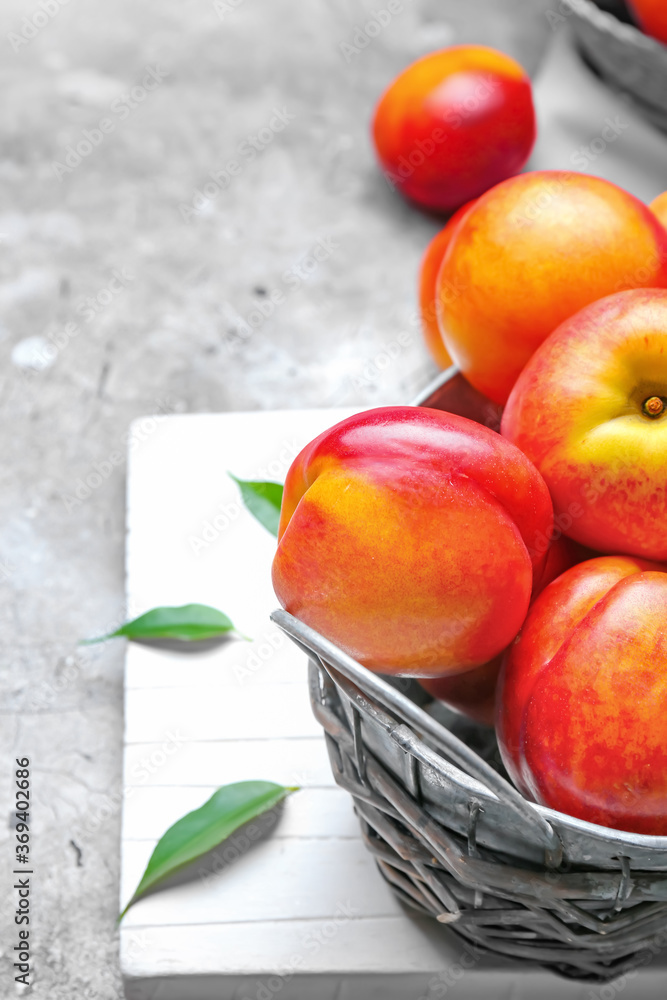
point(456, 840)
point(626, 58)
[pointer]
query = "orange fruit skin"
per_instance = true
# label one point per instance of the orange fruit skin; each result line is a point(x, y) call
point(453, 124)
point(578, 412)
point(405, 537)
point(582, 696)
point(428, 274)
point(651, 16)
point(529, 254)
point(659, 208)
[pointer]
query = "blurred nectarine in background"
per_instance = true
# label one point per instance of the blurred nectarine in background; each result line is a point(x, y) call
point(453, 124)
point(651, 16)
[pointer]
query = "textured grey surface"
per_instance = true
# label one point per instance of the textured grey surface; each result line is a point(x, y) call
point(170, 334)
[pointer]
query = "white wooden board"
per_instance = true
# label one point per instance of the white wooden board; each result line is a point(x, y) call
point(308, 895)
point(303, 913)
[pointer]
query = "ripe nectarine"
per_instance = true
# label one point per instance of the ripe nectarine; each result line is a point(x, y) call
point(473, 693)
point(428, 273)
point(529, 254)
point(404, 538)
point(453, 124)
point(590, 410)
point(582, 696)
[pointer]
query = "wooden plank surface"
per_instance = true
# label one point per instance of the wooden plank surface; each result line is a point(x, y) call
point(307, 889)
point(239, 710)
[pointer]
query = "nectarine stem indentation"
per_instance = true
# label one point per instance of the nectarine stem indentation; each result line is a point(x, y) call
point(654, 406)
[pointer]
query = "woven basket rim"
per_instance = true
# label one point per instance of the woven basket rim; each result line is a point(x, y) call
point(375, 687)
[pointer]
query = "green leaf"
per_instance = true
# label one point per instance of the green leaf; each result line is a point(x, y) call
point(202, 830)
point(263, 500)
point(189, 623)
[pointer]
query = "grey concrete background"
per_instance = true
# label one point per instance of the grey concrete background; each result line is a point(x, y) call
point(170, 334)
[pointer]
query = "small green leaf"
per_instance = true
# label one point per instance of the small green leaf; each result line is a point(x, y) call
point(202, 830)
point(189, 623)
point(263, 500)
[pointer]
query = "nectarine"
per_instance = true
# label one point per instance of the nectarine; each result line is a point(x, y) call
point(453, 124)
point(651, 16)
point(428, 273)
point(404, 538)
point(590, 410)
point(529, 254)
point(473, 693)
point(582, 696)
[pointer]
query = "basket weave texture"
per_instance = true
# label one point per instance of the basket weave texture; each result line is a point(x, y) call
point(456, 840)
point(626, 58)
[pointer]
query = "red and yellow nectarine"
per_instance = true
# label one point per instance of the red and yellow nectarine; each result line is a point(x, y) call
point(428, 273)
point(473, 693)
point(582, 696)
point(590, 410)
point(404, 538)
point(453, 124)
point(528, 255)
